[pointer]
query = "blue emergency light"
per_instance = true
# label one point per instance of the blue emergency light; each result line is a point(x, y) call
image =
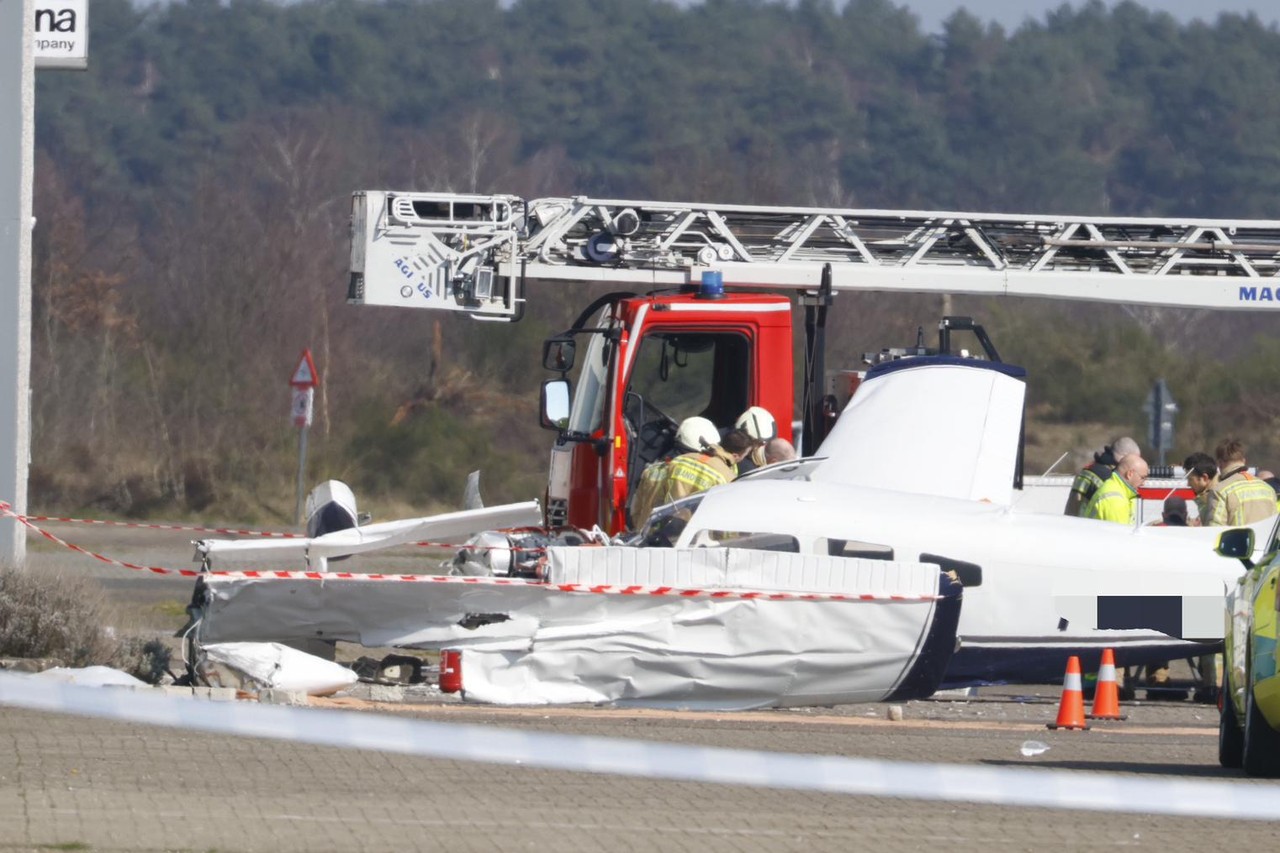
point(712, 286)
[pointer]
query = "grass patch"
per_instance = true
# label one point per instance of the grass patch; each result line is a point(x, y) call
point(46, 614)
point(50, 615)
point(172, 610)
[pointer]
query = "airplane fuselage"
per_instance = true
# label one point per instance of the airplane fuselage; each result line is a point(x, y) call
point(1051, 586)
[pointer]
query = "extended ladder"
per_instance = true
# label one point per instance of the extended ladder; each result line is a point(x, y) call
point(472, 253)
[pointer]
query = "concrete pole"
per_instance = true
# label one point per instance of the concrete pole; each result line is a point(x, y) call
point(17, 153)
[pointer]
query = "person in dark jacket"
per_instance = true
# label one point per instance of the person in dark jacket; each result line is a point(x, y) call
point(1202, 472)
point(1097, 472)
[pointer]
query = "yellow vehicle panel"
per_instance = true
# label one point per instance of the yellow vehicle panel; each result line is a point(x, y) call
point(1266, 693)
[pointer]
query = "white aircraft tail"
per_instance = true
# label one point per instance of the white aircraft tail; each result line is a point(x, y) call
point(939, 426)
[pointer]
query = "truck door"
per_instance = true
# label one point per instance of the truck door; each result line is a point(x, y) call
point(675, 373)
point(650, 363)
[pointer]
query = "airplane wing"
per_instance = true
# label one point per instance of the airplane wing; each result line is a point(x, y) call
point(941, 425)
point(371, 537)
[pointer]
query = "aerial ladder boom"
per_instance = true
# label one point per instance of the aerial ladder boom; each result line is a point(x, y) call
point(474, 253)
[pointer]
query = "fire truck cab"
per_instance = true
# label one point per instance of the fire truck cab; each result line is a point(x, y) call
point(646, 364)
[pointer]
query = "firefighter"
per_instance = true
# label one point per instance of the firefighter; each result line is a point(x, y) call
point(692, 472)
point(1093, 475)
point(714, 465)
point(1201, 472)
point(757, 423)
point(1116, 500)
point(691, 436)
point(1238, 496)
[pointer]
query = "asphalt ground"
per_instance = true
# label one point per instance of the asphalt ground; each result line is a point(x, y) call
point(72, 783)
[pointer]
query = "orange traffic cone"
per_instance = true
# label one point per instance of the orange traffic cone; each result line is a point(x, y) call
point(1106, 699)
point(1071, 709)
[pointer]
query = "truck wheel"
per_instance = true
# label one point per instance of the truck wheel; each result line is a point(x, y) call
point(1261, 742)
point(1230, 737)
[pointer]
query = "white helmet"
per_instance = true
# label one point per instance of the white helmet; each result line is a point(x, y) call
point(697, 434)
point(757, 423)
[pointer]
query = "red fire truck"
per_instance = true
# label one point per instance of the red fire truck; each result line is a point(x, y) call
point(705, 326)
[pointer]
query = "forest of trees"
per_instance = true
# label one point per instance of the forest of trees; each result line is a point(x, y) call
point(192, 196)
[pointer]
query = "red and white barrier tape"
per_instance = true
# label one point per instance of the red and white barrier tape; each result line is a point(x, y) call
point(137, 525)
point(676, 592)
point(596, 589)
point(6, 510)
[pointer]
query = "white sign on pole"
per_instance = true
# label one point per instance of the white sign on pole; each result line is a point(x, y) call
point(302, 406)
point(61, 38)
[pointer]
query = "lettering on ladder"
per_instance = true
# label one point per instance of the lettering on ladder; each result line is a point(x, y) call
point(1256, 294)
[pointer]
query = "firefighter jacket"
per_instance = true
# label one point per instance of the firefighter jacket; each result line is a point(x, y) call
point(1086, 483)
point(1203, 508)
point(1240, 498)
point(653, 481)
point(669, 480)
point(697, 472)
point(1115, 501)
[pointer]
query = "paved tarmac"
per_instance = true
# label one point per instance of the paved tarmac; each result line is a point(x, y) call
point(80, 784)
point(70, 783)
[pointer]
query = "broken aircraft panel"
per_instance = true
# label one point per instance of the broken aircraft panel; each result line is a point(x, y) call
point(708, 628)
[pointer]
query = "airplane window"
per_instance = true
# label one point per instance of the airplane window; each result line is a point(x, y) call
point(754, 541)
point(854, 548)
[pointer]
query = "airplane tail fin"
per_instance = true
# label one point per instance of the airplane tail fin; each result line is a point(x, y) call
point(471, 496)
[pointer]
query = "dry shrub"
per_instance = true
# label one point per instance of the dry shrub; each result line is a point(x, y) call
point(49, 615)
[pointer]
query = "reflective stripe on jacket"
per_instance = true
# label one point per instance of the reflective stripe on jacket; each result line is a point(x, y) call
point(697, 472)
point(1115, 501)
point(1085, 486)
point(1242, 499)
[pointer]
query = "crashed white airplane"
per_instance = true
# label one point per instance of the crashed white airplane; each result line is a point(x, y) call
point(714, 628)
point(823, 581)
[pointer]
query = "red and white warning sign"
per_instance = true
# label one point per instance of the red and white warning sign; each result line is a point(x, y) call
point(302, 406)
point(305, 375)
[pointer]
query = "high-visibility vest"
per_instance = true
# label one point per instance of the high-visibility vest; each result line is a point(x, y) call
point(1085, 486)
point(1242, 499)
point(1115, 501)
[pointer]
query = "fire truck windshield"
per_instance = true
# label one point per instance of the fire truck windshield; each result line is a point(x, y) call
point(587, 414)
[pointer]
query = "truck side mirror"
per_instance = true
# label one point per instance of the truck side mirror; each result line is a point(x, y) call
point(1236, 544)
point(555, 404)
point(558, 354)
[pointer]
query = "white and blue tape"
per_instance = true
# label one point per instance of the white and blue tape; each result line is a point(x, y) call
point(1005, 786)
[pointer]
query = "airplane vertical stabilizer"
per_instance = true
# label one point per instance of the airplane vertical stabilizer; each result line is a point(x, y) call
point(937, 426)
